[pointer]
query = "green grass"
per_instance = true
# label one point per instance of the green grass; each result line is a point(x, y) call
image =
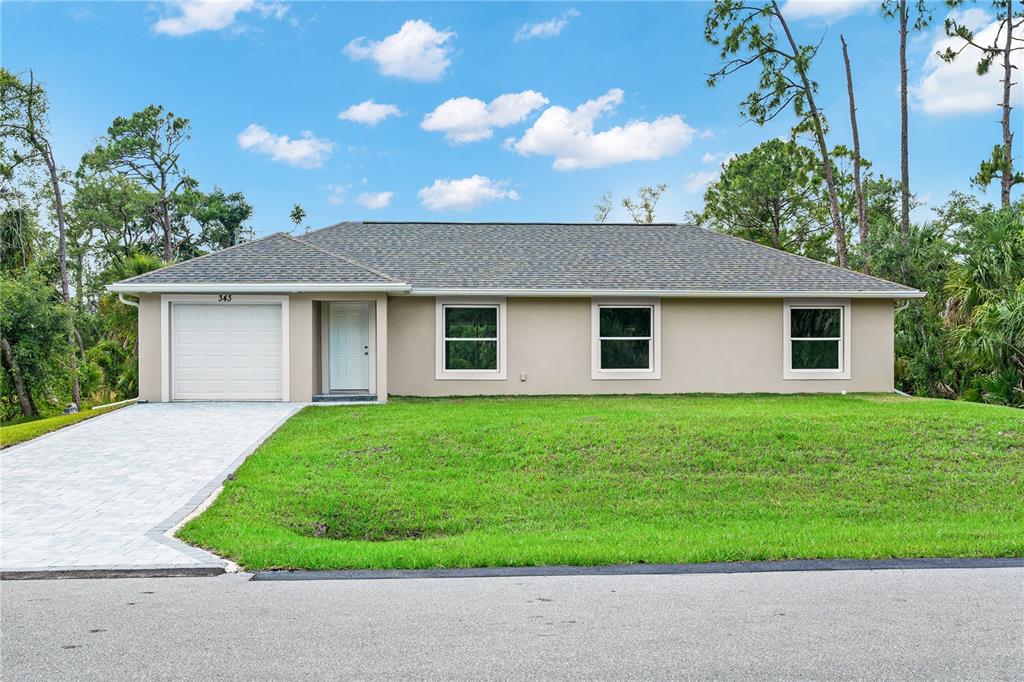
point(23, 430)
point(605, 480)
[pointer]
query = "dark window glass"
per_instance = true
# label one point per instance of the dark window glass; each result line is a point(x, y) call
point(815, 323)
point(471, 355)
point(815, 354)
point(471, 323)
point(620, 354)
point(625, 322)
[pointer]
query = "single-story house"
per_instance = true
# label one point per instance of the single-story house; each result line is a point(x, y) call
point(359, 310)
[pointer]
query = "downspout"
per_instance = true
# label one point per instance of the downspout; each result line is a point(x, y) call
point(134, 304)
point(122, 299)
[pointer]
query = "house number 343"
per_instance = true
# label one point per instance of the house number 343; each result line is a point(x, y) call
point(224, 298)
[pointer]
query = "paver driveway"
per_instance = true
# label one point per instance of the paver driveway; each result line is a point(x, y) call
point(103, 493)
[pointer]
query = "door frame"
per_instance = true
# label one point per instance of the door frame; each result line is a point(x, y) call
point(166, 300)
point(325, 343)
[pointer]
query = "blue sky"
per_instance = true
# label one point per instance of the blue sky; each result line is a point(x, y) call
point(264, 83)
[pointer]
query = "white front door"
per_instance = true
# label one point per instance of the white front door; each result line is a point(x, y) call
point(349, 353)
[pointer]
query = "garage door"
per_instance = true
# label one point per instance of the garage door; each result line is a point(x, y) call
point(225, 352)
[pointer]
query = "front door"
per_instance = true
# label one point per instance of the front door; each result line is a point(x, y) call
point(349, 355)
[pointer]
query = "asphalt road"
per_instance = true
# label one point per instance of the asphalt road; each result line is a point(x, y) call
point(899, 624)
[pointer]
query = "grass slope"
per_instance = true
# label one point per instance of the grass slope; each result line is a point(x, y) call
point(603, 480)
point(22, 431)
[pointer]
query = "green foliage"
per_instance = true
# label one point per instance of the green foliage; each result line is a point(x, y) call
point(606, 480)
point(641, 209)
point(222, 218)
point(745, 33)
point(770, 195)
point(34, 322)
point(986, 304)
point(21, 430)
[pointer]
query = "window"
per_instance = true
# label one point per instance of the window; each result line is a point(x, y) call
point(817, 340)
point(471, 340)
point(625, 340)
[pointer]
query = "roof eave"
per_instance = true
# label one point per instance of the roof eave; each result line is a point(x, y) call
point(253, 287)
point(668, 293)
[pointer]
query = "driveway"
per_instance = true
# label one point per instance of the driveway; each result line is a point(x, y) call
point(931, 624)
point(102, 495)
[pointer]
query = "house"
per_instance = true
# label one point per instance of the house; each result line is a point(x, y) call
point(364, 309)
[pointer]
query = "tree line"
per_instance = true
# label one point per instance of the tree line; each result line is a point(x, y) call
point(128, 208)
point(965, 339)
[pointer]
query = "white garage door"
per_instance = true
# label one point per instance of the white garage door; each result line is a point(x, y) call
point(225, 352)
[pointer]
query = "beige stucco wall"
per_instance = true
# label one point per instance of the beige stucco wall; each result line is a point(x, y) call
point(149, 347)
point(304, 348)
point(713, 345)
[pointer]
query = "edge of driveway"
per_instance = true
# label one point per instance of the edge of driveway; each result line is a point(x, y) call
point(207, 563)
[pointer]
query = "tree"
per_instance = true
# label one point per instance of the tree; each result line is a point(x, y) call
point(221, 218)
point(603, 207)
point(146, 147)
point(1000, 164)
point(641, 209)
point(34, 348)
point(862, 213)
point(120, 209)
point(769, 195)
point(297, 215)
point(23, 110)
point(922, 17)
point(986, 304)
point(746, 33)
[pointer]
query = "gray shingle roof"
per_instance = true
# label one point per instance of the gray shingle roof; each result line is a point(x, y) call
point(522, 256)
point(275, 258)
point(583, 256)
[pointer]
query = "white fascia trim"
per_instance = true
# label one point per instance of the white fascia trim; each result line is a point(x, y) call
point(267, 288)
point(664, 293)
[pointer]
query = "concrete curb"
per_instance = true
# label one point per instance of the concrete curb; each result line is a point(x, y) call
point(646, 569)
point(110, 572)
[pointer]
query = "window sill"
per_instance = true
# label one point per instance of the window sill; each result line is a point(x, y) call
point(625, 375)
point(815, 375)
point(471, 376)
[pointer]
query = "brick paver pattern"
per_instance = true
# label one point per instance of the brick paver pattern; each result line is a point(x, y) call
point(102, 493)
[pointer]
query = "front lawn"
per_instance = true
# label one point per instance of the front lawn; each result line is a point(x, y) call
point(592, 480)
point(21, 431)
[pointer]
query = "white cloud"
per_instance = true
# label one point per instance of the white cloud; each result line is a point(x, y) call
point(828, 10)
point(418, 51)
point(696, 182)
point(465, 119)
point(375, 200)
point(369, 112)
point(956, 88)
point(464, 194)
point(308, 151)
point(545, 29)
point(336, 194)
point(569, 136)
point(212, 15)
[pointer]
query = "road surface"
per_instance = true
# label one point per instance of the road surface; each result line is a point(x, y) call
point(896, 624)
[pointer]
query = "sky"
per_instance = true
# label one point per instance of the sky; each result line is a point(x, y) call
point(480, 111)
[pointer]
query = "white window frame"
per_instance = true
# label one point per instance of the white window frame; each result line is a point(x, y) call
point(442, 374)
point(653, 370)
point(845, 335)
